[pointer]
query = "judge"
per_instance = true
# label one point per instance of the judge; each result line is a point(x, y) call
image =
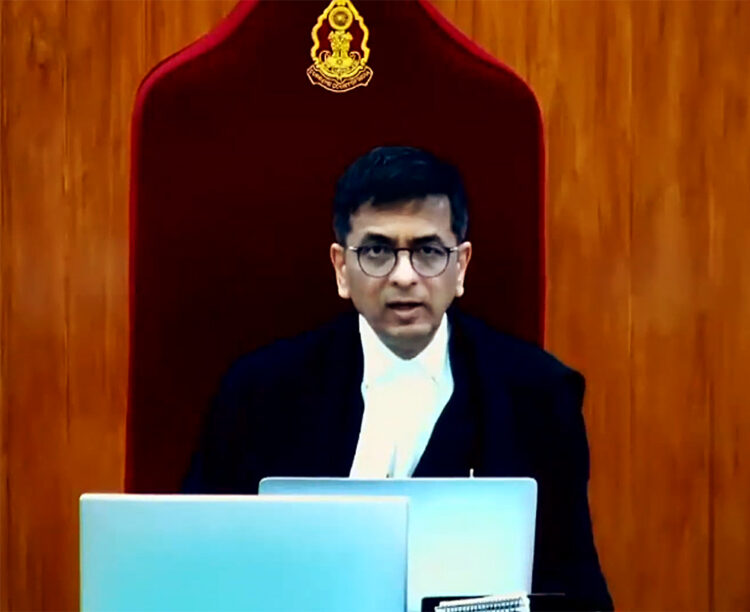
point(408, 385)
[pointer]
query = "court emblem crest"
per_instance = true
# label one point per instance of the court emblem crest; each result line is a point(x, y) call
point(340, 52)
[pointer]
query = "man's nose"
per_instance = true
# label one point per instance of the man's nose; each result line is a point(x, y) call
point(403, 273)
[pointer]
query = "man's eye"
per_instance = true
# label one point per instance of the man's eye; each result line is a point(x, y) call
point(374, 251)
point(430, 251)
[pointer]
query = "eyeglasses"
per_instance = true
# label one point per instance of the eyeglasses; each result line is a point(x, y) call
point(380, 260)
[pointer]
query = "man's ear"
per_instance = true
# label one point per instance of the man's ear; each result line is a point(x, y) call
point(338, 259)
point(464, 256)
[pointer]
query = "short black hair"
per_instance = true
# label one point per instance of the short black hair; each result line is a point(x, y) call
point(393, 174)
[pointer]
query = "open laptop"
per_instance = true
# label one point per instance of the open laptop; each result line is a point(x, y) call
point(264, 554)
point(467, 536)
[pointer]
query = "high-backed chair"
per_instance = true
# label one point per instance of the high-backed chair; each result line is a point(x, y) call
point(235, 154)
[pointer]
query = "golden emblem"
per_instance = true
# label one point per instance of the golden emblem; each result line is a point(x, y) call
point(339, 68)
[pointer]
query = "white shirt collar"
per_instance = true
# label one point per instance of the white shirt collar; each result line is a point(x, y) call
point(380, 361)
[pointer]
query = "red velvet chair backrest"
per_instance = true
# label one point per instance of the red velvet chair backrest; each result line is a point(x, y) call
point(235, 155)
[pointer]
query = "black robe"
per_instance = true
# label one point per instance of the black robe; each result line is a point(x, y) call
point(294, 408)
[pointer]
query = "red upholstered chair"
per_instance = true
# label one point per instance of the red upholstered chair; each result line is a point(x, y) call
point(235, 154)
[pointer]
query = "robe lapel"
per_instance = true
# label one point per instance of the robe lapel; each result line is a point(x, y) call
point(499, 451)
point(476, 429)
point(451, 450)
point(338, 395)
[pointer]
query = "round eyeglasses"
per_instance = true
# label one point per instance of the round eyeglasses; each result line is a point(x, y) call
point(380, 260)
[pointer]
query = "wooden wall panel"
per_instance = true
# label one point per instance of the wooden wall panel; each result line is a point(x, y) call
point(727, 159)
point(646, 115)
point(671, 301)
point(35, 334)
point(4, 489)
point(583, 67)
point(100, 80)
point(70, 72)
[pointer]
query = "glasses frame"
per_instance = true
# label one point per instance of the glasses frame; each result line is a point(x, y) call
point(358, 251)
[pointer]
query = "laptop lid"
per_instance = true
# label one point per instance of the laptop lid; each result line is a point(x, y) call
point(467, 536)
point(202, 552)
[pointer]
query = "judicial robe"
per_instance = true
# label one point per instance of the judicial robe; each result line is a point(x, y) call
point(294, 408)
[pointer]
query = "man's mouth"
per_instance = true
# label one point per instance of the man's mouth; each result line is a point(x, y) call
point(404, 306)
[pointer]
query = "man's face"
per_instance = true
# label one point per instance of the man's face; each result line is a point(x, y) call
point(404, 308)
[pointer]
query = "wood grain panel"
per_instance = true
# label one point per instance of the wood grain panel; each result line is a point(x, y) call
point(35, 211)
point(671, 301)
point(727, 159)
point(4, 489)
point(581, 70)
point(99, 93)
point(70, 76)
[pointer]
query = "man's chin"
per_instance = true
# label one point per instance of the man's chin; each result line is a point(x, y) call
point(410, 333)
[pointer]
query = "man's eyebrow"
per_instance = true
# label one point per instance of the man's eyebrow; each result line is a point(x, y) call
point(377, 238)
point(427, 239)
point(374, 237)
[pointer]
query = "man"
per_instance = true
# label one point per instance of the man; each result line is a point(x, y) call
point(410, 386)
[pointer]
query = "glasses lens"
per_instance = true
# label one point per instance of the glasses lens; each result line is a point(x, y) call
point(430, 260)
point(376, 260)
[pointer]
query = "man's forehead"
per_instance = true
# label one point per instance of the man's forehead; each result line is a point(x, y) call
point(429, 215)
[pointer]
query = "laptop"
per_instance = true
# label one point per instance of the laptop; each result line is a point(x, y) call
point(467, 536)
point(264, 554)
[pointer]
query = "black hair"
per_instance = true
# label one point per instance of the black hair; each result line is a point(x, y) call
point(393, 174)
